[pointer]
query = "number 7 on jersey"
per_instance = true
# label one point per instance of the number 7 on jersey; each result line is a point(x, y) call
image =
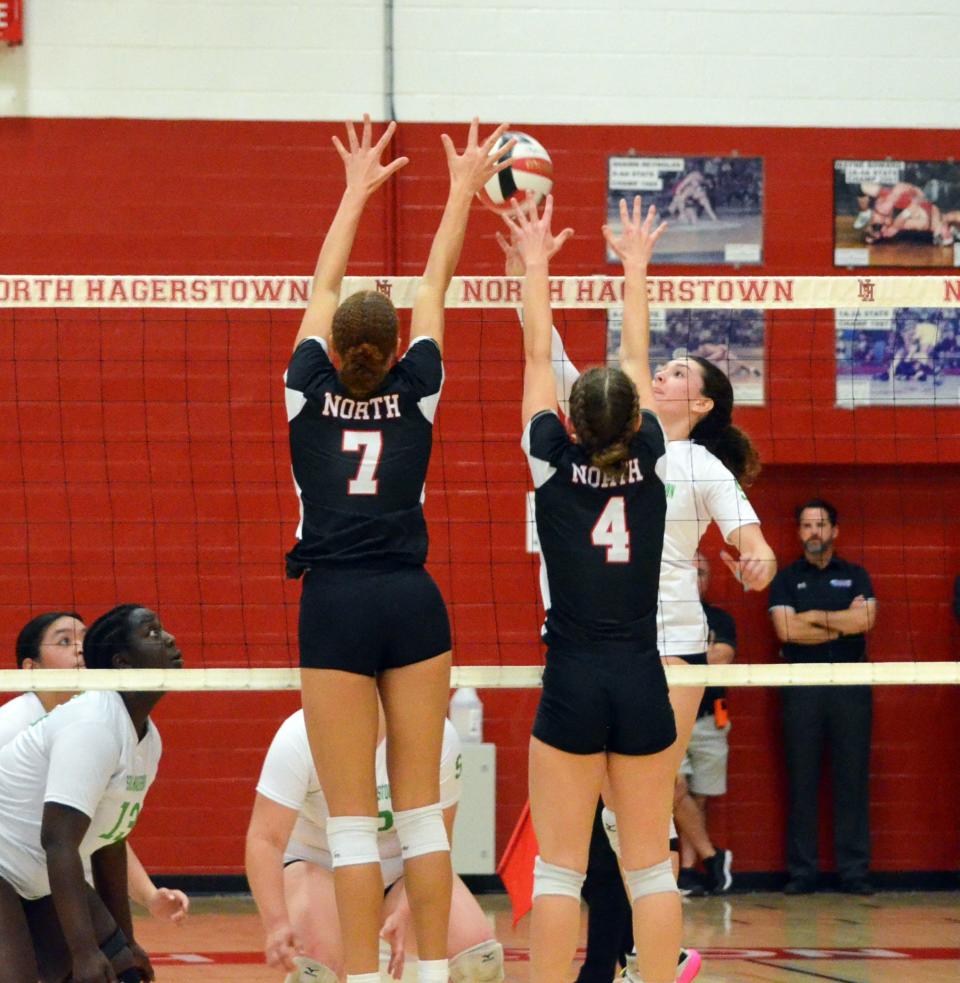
point(611, 531)
point(369, 443)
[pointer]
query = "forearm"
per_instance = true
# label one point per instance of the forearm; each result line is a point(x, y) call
point(448, 241)
point(537, 323)
point(140, 887)
point(69, 891)
point(800, 632)
point(335, 252)
point(264, 865)
point(853, 621)
point(110, 880)
point(635, 332)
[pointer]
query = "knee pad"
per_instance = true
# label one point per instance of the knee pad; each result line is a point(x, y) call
point(482, 963)
point(609, 819)
point(421, 831)
point(131, 975)
point(112, 946)
point(310, 971)
point(353, 840)
point(657, 879)
point(550, 879)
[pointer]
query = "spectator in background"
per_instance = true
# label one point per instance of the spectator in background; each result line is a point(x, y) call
point(703, 773)
point(822, 608)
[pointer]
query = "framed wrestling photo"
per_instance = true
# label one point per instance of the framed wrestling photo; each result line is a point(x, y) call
point(734, 340)
point(898, 356)
point(714, 205)
point(896, 213)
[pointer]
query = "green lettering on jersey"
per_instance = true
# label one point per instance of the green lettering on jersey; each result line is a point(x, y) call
point(386, 820)
point(129, 812)
point(669, 488)
point(458, 767)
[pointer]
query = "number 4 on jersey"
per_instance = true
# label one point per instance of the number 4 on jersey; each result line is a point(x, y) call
point(370, 444)
point(611, 531)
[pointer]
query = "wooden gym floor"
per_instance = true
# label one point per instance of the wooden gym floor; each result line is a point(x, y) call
point(908, 938)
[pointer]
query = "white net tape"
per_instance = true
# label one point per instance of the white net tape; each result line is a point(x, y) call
point(483, 677)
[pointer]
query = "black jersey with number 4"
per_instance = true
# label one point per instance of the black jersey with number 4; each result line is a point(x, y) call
point(360, 464)
point(600, 540)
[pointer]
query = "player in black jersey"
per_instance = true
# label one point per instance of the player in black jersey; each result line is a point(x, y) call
point(371, 618)
point(604, 715)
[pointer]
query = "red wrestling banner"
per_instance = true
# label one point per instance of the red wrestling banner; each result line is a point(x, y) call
point(11, 21)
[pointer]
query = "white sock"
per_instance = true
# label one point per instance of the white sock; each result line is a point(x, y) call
point(433, 971)
point(363, 977)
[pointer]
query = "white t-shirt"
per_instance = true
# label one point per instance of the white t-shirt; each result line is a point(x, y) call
point(700, 490)
point(18, 714)
point(84, 754)
point(290, 779)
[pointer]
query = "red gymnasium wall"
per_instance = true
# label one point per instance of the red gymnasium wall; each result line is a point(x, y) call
point(160, 473)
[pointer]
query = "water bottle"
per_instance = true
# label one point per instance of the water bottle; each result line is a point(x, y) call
point(466, 715)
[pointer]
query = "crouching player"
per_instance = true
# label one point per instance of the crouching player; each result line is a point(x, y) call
point(290, 869)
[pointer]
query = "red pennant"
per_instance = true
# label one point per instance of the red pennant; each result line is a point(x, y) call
point(516, 865)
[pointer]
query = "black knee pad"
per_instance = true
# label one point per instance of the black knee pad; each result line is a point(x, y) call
point(131, 975)
point(114, 945)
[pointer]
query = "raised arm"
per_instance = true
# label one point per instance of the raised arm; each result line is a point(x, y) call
point(536, 245)
point(364, 174)
point(634, 246)
point(564, 371)
point(469, 172)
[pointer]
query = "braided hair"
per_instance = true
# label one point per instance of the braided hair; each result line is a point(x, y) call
point(365, 330)
point(605, 411)
point(108, 636)
point(717, 433)
point(31, 634)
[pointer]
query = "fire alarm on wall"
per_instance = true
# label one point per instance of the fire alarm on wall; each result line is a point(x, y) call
point(11, 21)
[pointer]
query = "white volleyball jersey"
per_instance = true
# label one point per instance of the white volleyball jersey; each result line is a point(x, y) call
point(18, 714)
point(700, 490)
point(290, 779)
point(84, 754)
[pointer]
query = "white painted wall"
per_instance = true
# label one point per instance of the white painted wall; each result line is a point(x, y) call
point(873, 63)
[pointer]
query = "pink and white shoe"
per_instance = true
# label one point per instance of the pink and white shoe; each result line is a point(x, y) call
point(689, 965)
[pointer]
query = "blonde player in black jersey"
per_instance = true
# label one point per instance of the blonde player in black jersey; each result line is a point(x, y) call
point(605, 713)
point(371, 618)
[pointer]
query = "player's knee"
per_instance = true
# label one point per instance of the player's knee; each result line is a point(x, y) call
point(551, 879)
point(421, 831)
point(481, 963)
point(353, 840)
point(311, 971)
point(609, 820)
point(657, 879)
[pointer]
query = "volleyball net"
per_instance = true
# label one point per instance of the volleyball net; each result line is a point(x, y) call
point(145, 459)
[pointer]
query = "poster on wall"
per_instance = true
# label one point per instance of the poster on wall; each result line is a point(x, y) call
point(732, 340)
point(903, 356)
point(896, 213)
point(714, 205)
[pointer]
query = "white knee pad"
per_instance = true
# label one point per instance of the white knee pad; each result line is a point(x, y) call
point(482, 963)
point(421, 831)
point(310, 971)
point(353, 840)
point(609, 819)
point(550, 879)
point(657, 879)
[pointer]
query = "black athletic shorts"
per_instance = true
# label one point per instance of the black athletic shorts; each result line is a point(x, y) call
point(602, 701)
point(368, 619)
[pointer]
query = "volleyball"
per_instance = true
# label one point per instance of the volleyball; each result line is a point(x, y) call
point(530, 170)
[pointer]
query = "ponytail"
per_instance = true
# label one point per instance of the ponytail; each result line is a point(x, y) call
point(716, 431)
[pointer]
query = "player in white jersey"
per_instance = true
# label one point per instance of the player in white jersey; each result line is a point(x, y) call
point(372, 621)
point(290, 870)
point(71, 788)
point(54, 640)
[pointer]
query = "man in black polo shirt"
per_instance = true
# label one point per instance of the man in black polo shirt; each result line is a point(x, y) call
point(822, 607)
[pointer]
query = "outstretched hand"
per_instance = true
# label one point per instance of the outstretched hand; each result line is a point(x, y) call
point(530, 233)
point(637, 238)
point(362, 158)
point(475, 166)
